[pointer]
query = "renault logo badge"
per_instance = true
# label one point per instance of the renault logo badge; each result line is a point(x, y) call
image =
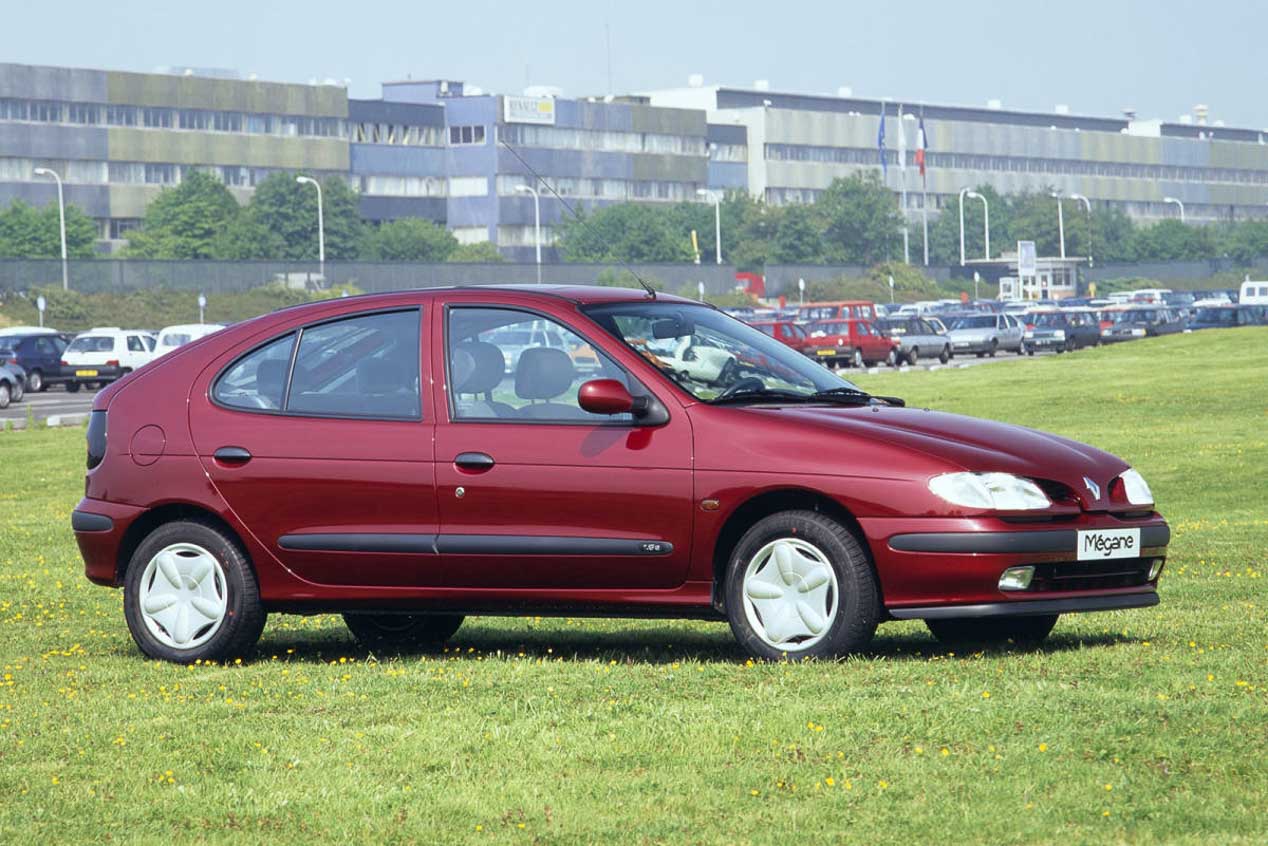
point(1093, 487)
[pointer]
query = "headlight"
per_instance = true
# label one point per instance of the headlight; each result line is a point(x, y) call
point(996, 491)
point(1139, 333)
point(1136, 488)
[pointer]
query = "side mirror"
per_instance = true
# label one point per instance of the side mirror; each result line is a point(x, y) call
point(605, 396)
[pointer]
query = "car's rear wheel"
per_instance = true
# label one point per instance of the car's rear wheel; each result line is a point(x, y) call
point(72, 387)
point(857, 360)
point(945, 355)
point(892, 359)
point(190, 594)
point(18, 390)
point(35, 382)
point(402, 630)
point(1021, 348)
point(994, 347)
point(1022, 630)
point(799, 584)
point(913, 357)
point(5, 395)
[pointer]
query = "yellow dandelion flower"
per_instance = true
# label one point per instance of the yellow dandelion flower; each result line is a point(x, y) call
point(1043, 747)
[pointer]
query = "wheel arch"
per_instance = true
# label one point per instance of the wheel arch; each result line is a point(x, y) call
point(770, 502)
point(169, 512)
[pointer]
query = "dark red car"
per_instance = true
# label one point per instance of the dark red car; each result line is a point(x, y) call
point(406, 460)
point(854, 342)
point(787, 332)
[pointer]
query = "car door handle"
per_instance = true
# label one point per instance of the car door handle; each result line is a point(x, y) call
point(232, 455)
point(477, 461)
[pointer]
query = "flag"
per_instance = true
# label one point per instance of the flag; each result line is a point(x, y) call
point(880, 144)
point(902, 144)
point(922, 144)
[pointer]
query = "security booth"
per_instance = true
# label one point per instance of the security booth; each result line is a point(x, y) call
point(1041, 278)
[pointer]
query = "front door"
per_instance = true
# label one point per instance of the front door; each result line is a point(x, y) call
point(320, 441)
point(533, 491)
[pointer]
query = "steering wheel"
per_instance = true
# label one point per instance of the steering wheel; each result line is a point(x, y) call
point(748, 383)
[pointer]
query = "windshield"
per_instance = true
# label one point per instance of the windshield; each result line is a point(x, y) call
point(831, 327)
point(91, 343)
point(1056, 321)
point(705, 352)
point(176, 339)
point(1225, 316)
point(983, 322)
point(1139, 315)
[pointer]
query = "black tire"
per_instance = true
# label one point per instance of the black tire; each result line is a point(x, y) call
point(72, 387)
point(1021, 348)
point(244, 617)
point(892, 359)
point(5, 395)
point(857, 360)
point(1060, 350)
point(980, 355)
point(1030, 352)
point(1020, 630)
point(35, 382)
point(994, 347)
point(402, 630)
point(858, 607)
point(945, 355)
point(18, 390)
point(913, 357)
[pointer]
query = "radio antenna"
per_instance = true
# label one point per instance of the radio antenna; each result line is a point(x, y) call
point(651, 292)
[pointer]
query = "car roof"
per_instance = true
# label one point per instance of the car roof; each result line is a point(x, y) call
point(26, 330)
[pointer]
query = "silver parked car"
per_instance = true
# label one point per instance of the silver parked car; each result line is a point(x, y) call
point(986, 334)
point(916, 338)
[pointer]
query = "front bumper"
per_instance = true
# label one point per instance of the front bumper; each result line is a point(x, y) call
point(926, 564)
point(1046, 342)
point(967, 345)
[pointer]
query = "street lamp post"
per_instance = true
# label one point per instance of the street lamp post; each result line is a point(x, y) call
point(1060, 222)
point(1178, 203)
point(716, 199)
point(986, 222)
point(321, 224)
point(61, 218)
point(1087, 204)
point(537, 223)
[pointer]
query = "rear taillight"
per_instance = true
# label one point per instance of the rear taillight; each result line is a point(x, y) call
point(114, 362)
point(96, 438)
point(65, 363)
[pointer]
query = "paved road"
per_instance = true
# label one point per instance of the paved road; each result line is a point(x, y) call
point(55, 401)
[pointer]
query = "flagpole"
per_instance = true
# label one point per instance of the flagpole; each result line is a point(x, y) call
point(902, 188)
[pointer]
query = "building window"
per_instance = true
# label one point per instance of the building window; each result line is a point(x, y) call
point(156, 118)
point(85, 113)
point(466, 135)
point(469, 186)
point(161, 174)
point(46, 111)
point(121, 226)
point(121, 115)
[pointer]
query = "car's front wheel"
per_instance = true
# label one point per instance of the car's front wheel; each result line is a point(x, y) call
point(799, 584)
point(5, 395)
point(892, 358)
point(190, 594)
point(913, 357)
point(857, 359)
point(945, 355)
point(402, 630)
point(1021, 630)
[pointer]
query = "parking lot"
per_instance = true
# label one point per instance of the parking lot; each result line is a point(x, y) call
point(55, 403)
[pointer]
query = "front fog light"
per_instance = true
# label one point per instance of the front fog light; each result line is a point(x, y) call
point(1154, 569)
point(1017, 578)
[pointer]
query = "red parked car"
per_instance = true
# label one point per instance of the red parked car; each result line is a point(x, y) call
point(855, 342)
point(787, 332)
point(380, 457)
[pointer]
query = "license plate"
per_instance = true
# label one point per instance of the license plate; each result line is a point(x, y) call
point(85, 372)
point(826, 352)
point(1100, 544)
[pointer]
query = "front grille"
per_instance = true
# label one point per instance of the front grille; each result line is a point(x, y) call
point(1090, 575)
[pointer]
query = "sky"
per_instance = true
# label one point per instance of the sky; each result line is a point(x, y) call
point(1096, 56)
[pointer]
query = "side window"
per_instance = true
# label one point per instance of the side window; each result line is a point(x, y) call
point(258, 380)
point(43, 346)
point(135, 344)
point(150, 341)
point(864, 329)
point(512, 365)
point(360, 366)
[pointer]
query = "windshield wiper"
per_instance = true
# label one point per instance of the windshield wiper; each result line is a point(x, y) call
point(841, 396)
point(855, 395)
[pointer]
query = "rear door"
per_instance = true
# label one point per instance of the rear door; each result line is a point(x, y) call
point(533, 491)
point(320, 440)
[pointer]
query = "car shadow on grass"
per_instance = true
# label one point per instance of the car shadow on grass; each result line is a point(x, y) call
point(644, 645)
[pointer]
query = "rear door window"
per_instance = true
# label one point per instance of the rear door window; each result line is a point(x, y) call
point(360, 366)
point(257, 381)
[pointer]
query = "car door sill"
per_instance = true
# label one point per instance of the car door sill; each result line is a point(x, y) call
point(430, 544)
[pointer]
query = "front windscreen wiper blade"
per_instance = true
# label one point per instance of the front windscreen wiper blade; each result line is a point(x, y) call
point(762, 396)
point(854, 395)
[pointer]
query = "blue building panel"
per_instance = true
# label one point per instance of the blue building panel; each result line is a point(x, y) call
point(402, 161)
point(394, 208)
point(47, 141)
point(728, 176)
point(93, 200)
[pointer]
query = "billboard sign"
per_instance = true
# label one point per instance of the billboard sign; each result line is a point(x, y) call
point(1026, 258)
point(539, 110)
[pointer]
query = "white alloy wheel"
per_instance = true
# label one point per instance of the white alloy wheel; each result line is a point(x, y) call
point(790, 594)
point(183, 596)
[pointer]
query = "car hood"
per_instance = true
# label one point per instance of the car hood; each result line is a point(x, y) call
point(966, 443)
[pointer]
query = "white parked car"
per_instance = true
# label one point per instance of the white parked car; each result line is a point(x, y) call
point(172, 337)
point(1253, 293)
point(105, 353)
point(695, 359)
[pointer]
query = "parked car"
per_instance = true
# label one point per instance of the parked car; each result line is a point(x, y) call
point(916, 339)
point(854, 342)
point(839, 310)
point(104, 354)
point(12, 385)
point(1253, 293)
point(986, 334)
point(371, 456)
point(171, 337)
point(38, 352)
point(1228, 316)
point(786, 332)
point(1141, 322)
point(1063, 331)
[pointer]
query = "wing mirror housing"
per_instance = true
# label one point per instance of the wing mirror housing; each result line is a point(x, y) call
point(610, 396)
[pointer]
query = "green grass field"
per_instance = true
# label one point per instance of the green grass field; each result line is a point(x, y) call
point(1130, 727)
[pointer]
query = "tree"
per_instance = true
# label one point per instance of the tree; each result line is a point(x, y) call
point(628, 232)
point(859, 219)
point(797, 237)
point(1247, 241)
point(1171, 240)
point(280, 222)
point(481, 252)
point(28, 232)
point(408, 239)
point(183, 222)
